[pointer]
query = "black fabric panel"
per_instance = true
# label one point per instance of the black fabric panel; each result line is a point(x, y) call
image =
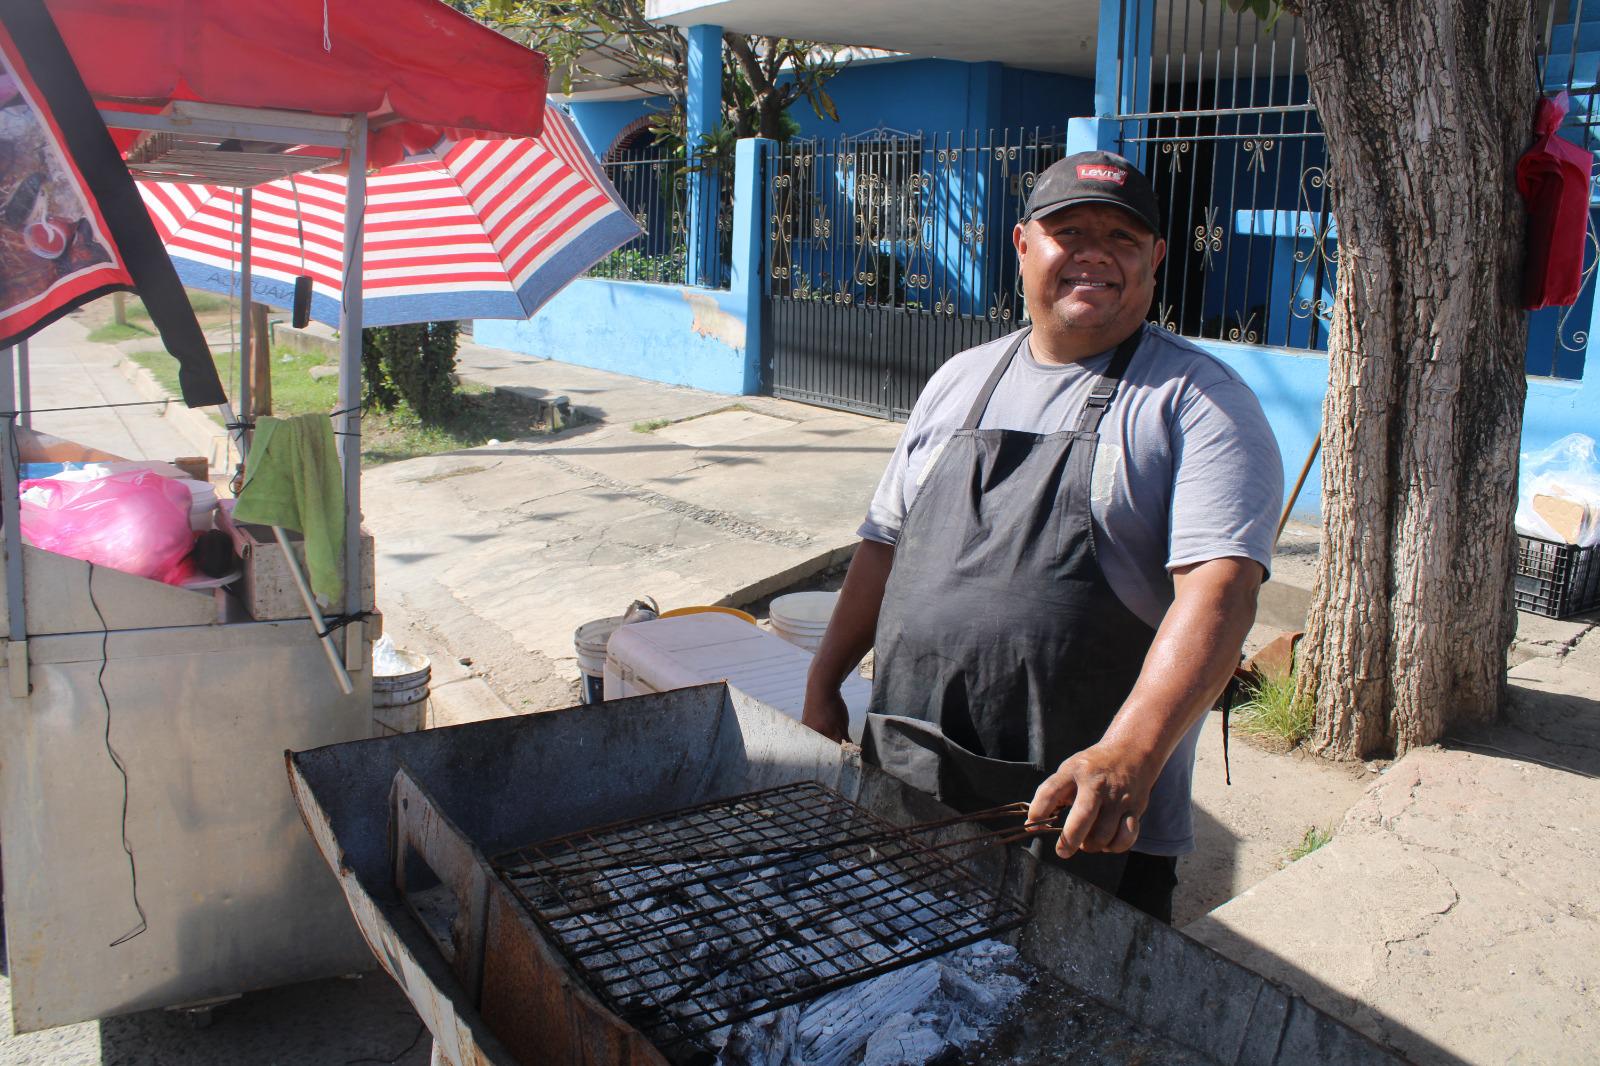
point(106, 175)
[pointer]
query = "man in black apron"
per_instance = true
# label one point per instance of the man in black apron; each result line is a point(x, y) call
point(1007, 666)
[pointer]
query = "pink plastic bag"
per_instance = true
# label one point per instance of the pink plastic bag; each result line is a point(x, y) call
point(136, 521)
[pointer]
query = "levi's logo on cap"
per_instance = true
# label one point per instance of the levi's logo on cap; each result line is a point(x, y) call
point(1101, 172)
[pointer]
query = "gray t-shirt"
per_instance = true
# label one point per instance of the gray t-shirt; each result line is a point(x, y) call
point(1187, 470)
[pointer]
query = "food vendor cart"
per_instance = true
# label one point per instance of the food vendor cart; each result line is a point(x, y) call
point(152, 855)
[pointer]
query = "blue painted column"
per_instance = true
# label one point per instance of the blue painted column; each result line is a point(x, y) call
point(984, 91)
point(703, 111)
point(754, 155)
point(1122, 68)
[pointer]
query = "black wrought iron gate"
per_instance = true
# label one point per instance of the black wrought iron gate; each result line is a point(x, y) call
point(887, 253)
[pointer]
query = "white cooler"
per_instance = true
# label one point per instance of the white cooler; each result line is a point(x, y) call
point(697, 649)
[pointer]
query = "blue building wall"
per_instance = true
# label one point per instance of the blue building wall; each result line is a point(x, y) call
point(1031, 98)
point(916, 95)
point(1291, 386)
point(671, 333)
point(602, 121)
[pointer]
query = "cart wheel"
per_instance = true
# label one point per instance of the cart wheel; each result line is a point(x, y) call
point(196, 1017)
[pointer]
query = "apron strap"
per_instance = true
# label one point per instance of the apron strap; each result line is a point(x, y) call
point(1105, 389)
point(975, 415)
point(1100, 396)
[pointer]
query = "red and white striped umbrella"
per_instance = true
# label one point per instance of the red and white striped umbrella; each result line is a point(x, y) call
point(474, 229)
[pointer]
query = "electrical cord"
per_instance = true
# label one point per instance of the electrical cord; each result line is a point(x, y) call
point(422, 1027)
point(86, 407)
point(116, 760)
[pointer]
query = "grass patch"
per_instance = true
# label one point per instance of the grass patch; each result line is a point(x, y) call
point(113, 333)
point(1315, 837)
point(386, 436)
point(482, 415)
point(652, 425)
point(1272, 711)
point(204, 303)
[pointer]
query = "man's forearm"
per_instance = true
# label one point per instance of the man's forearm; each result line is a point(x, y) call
point(1194, 653)
point(855, 618)
point(1105, 788)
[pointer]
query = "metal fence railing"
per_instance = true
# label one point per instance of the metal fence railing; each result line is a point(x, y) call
point(889, 252)
point(1217, 110)
point(654, 183)
point(919, 222)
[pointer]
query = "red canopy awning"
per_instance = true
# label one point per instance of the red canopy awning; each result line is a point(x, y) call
point(417, 68)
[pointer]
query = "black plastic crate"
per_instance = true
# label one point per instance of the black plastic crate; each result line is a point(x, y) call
point(1556, 580)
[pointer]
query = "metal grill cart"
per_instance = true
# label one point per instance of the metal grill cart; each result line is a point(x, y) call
point(198, 701)
point(497, 870)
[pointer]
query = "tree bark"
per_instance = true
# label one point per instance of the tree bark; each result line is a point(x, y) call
point(1426, 105)
point(260, 362)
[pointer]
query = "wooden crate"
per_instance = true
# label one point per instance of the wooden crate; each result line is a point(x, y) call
point(268, 590)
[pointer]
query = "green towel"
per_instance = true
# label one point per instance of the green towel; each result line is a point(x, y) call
point(292, 480)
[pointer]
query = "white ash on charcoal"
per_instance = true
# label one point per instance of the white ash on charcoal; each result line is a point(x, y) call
point(923, 1013)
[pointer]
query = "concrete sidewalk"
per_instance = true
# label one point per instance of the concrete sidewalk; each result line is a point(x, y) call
point(496, 554)
point(1455, 916)
point(70, 371)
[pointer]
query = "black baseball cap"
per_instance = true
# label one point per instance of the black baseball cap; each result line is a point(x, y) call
point(1094, 178)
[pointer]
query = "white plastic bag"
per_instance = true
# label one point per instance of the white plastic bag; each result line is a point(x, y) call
point(1568, 470)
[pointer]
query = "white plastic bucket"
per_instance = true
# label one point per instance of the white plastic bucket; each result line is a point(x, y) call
point(399, 700)
point(589, 641)
point(801, 618)
point(202, 504)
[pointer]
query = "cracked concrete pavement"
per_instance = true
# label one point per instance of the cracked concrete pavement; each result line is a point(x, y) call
point(491, 557)
point(1455, 915)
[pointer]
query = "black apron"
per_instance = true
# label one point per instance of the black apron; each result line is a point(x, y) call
point(1001, 649)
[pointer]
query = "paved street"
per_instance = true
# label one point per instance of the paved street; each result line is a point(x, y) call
point(1454, 915)
point(498, 553)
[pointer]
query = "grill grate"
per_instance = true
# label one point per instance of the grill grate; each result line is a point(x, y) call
point(688, 921)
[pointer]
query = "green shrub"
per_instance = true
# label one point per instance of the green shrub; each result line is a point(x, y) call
point(412, 363)
point(630, 264)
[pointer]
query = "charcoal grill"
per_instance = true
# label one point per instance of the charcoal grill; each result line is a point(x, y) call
point(699, 918)
point(506, 960)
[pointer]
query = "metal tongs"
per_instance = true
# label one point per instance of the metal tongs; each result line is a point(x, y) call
point(1030, 828)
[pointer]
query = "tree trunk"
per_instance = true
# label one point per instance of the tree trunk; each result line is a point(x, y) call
point(260, 361)
point(1426, 105)
point(770, 108)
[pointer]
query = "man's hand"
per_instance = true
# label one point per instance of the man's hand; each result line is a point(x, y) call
point(826, 713)
point(1104, 793)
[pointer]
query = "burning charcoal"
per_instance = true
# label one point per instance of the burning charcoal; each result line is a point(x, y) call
point(762, 1041)
point(959, 1033)
point(965, 992)
point(902, 1042)
point(674, 896)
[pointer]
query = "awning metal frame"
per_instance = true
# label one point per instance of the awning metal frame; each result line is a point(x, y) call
point(197, 123)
